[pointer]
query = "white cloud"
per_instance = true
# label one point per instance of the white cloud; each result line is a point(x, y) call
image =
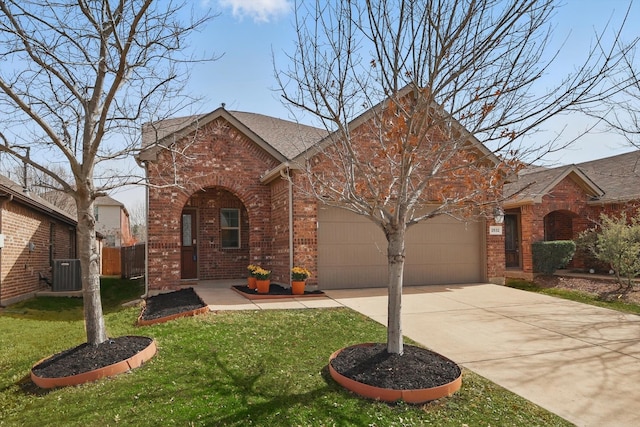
point(259, 10)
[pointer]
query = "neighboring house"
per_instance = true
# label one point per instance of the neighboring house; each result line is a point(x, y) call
point(558, 203)
point(33, 233)
point(218, 202)
point(112, 221)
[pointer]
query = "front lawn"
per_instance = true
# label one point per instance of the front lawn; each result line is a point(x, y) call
point(113, 293)
point(260, 368)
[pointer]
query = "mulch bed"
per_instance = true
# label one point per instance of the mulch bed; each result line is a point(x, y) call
point(85, 357)
point(417, 368)
point(171, 305)
point(605, 288)
point(275, 291)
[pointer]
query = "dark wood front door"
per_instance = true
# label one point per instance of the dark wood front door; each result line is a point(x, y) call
point(189, 246)
point(511, 241)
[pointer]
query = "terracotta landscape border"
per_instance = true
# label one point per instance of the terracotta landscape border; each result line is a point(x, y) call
point(195, 312)
point(393, 395)
point(133, 362)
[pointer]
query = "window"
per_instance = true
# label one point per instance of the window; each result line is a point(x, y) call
point(230, 228)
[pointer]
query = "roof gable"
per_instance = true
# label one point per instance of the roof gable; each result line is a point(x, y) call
point(372, 112)
point(282, 139)
point(608, 180)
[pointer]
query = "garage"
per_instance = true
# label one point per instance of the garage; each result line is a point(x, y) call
point(352, 252)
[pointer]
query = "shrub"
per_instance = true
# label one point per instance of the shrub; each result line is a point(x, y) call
point(616, 241)
point(550, 256)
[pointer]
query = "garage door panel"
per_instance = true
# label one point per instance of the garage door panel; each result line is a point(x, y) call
point(352, 251)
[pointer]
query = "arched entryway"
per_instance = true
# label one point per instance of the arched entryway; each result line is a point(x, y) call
point(558, 225)
point(214, 236)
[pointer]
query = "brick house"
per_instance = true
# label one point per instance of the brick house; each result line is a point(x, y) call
point(558, 203)
point(218, 201)
point(33, 233)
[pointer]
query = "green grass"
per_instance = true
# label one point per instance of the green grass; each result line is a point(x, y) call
point(583, 297)
point(259, 368)
point(113, 292)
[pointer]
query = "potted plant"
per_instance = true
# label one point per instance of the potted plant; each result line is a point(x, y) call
point(263, 281)
point(298, 277)
point(251, 279)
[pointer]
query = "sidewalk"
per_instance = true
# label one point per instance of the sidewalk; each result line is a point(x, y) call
point(578, 361)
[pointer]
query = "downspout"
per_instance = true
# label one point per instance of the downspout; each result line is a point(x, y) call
point(146, 226)
point(286, 175)
point(143, 164)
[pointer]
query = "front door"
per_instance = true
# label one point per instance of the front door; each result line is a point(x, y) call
point(511, 241)
point(189, 246)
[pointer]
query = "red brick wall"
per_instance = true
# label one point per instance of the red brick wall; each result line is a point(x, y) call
point(563, 214)
point(20, 268)
point(305, 233)
point(495, 256)
point(279, 261)
point(219, 157)
point(214, 261)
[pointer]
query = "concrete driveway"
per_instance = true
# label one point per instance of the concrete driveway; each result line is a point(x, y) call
point(578, 361)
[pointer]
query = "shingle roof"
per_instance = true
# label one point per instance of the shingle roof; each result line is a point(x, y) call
point(16, 190)
point(612, 179)
point(618, 176)
point(286, 137)
point(289, 138)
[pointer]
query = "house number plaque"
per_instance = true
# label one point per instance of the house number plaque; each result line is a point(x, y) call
point(495, 230)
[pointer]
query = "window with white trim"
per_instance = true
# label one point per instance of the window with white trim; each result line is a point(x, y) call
point(230, 228)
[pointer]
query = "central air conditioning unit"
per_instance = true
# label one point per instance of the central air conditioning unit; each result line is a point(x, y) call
point(66, 275)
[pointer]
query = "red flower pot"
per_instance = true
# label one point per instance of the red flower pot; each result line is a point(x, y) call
point(297, 287)
point(263, 286)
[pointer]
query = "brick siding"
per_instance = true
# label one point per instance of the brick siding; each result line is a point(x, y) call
point(20, 267)
point(563, 214)
point(219, 165)
point(218, 158)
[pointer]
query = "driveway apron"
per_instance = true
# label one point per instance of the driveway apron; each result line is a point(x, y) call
point(578, 361)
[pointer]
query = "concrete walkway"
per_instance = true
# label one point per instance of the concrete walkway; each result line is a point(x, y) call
point(578, 361)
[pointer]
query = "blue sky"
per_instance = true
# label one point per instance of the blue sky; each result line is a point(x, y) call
point(247, 32)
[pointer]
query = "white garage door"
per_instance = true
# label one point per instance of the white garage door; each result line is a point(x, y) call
point(352, 252)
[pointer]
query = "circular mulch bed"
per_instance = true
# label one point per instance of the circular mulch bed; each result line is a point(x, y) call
point(417, 376)
point(86, 363)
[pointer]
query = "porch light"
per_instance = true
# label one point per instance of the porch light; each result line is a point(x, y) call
point(498, 215)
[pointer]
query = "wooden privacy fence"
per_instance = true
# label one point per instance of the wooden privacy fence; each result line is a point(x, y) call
point(111, 262)
point(126, 261)
point(132, 260)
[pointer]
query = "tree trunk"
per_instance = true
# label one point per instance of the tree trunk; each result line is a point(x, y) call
point(87, 251)
point(395, 256)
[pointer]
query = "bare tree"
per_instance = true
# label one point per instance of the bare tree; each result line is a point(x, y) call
point(78, 79)
point(427, 103)
point(138, 215)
